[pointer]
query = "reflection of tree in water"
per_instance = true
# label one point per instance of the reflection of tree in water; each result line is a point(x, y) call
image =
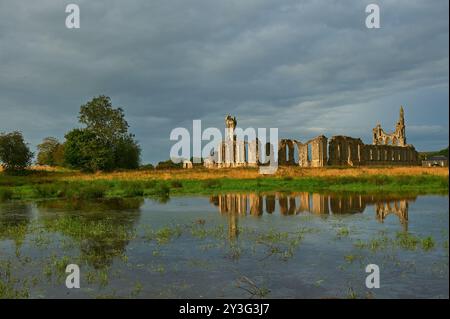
point(102, 228)
point(14, 221)
point(320, 204)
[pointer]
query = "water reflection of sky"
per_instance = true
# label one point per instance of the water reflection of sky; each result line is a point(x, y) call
point(100, 233)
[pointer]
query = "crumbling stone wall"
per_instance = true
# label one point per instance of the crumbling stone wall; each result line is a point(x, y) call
point(313, 153)
point(252, 158)
point(318, 151)
point(390, 155)
point(344, 151)
point(240, 155)
point(286, 152)
point(269, 154)
point(348, 151)
point(302, 154)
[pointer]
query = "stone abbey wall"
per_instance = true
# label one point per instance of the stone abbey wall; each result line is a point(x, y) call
point(385, 150)
point(348, 151)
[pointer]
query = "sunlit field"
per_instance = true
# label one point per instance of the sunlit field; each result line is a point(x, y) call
point(41, 182)
point(243, 173)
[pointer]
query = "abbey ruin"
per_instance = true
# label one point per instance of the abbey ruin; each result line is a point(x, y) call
point(387, 149)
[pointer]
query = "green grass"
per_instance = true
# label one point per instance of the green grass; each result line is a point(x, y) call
point(342, 232)
point(164, 235)
point(43, 186)
point(377, 184)
point(428, 243)
point(402, 240)
point(9, 284)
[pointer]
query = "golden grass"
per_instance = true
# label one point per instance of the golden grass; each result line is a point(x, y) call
point(251, 173)
point(200, 173)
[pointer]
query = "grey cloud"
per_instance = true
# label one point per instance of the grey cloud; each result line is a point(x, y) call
point(302, 66)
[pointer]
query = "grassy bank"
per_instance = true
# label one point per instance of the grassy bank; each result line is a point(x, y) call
point(40, 184)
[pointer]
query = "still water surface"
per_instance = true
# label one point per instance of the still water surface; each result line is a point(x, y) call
point(299, 245)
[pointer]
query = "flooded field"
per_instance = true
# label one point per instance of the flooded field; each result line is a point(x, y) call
point(298, 245)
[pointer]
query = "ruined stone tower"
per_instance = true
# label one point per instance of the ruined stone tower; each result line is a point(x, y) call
point(400, 129)
point(397, 138)
point(230, 124)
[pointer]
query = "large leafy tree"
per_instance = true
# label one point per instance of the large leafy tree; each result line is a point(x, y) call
point(14, 152)
point(104, 143)
point(103, 120)
point(50, 152)
point(85, 151)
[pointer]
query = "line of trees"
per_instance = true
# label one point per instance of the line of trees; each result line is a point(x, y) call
point(103, 143)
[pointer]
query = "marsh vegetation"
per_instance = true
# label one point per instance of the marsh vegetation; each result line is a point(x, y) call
point(208, 247)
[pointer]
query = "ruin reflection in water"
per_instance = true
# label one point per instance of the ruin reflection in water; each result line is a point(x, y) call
point(319, 204)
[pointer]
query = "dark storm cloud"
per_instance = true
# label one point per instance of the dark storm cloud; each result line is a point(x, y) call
point(306, 67)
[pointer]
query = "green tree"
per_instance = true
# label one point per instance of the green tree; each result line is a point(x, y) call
point(50, 152)
point(84, 150)
point(127, 153)
point(14, 152)
point(103, 120)
point(104, 143)
point(58, 155)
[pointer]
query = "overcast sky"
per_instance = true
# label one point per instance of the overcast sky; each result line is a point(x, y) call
point(306, 67)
